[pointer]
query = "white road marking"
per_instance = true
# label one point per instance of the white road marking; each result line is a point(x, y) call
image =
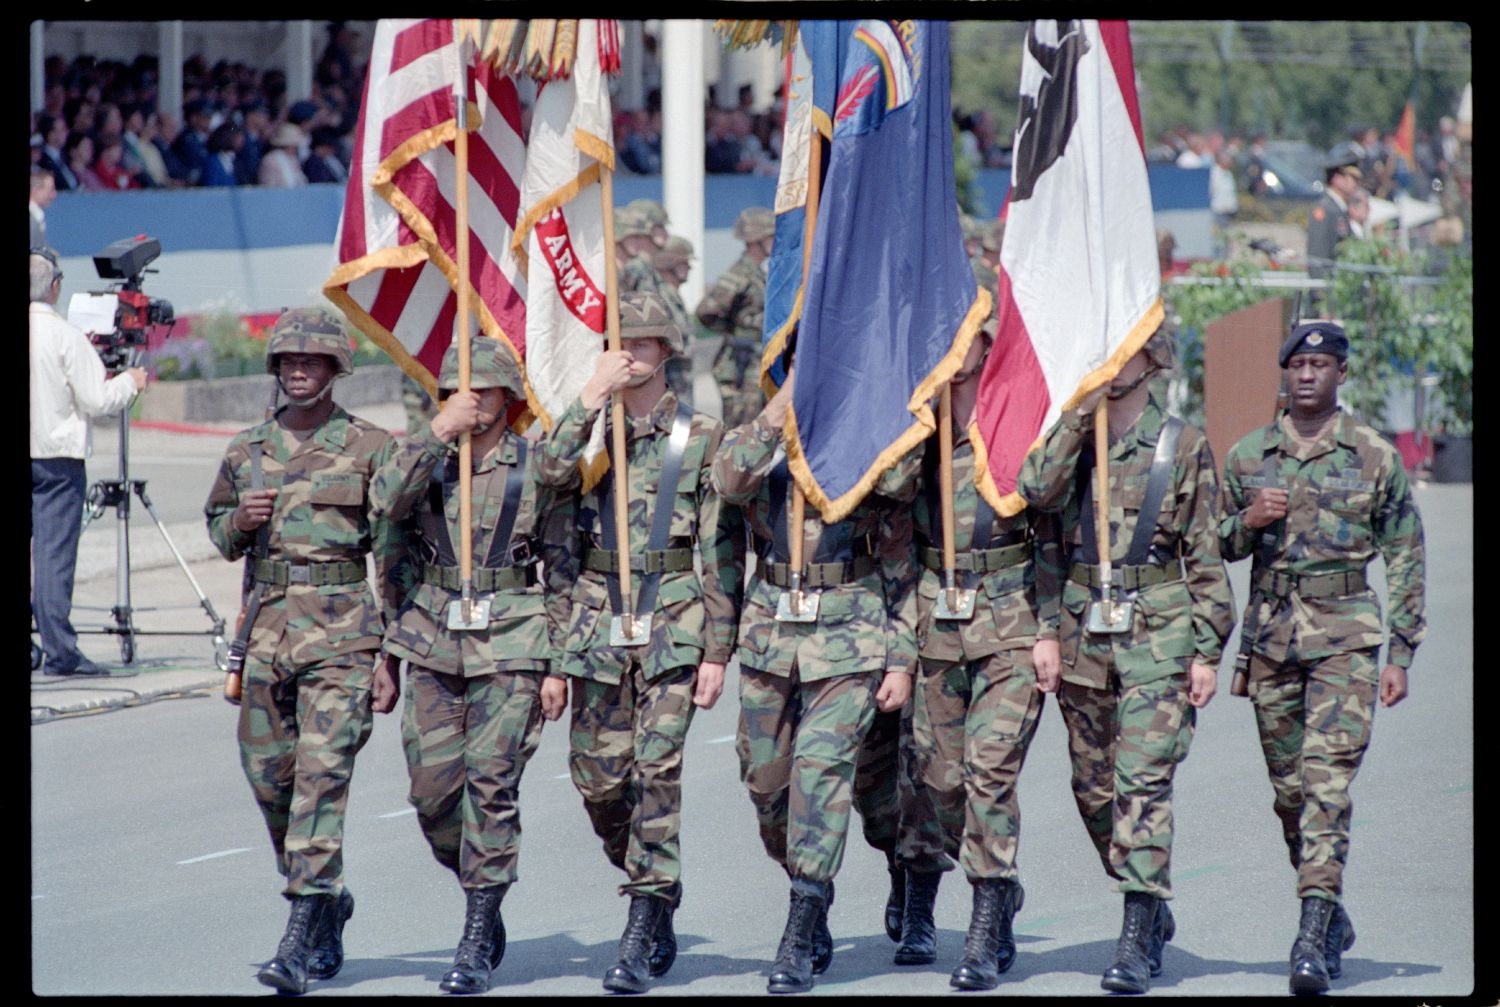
point(563, 776)
point(35, 897)
point(720, 741)
point(215, 856)
point(398, 814)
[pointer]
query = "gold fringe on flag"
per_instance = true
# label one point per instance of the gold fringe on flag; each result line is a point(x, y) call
point(505, 44)
point(564, 49)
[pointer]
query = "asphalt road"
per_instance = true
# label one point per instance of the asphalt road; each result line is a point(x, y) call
point(151, 872)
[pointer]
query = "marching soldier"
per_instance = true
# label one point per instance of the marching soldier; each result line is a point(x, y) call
point(655, 215)
point(673, 262)
point(294, 492)
point(1313, 497)
point(811, 687)
point(736, 307)
point(1135, 666)
point(635, 246)
point(978, 698)
point(475, 695)
point(637, 680)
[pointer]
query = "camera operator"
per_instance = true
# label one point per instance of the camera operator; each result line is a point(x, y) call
point(68, 387)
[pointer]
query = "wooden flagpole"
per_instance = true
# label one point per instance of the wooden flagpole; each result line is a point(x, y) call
point(465, 448)
point(617, 401)
point(1101, 497)
point(799, 502)
point(945, 482)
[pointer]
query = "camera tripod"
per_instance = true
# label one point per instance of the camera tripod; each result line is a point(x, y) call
point(116, 493)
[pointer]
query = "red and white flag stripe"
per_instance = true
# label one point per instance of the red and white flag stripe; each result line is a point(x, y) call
point(397, 271)
point(1079, 282)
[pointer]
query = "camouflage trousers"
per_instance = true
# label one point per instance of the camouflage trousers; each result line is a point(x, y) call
point(1125, 743)
point(801, 751)
point(1315, 720)
point(625, 756)
point(896, 814)
point(973, 724)
point(299, 731)
point(467, 742)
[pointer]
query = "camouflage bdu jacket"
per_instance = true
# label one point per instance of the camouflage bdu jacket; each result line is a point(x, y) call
point(321, 516)
point(518, 635)
point(639, 273)
point(695, 617)
point(1348, 497)
point(736, 306)
point(1010, 597)
point(866, 625)
point(1181, 618)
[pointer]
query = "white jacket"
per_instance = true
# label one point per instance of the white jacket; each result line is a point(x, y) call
point(67, 386)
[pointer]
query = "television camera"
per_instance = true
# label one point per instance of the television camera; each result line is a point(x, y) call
point(134, 313)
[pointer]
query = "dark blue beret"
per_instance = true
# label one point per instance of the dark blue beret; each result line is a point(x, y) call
point(1315, 337)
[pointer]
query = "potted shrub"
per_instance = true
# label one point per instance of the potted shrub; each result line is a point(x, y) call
point(1450, 357)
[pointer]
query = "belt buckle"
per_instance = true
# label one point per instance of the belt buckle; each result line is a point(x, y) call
point(298, 574)
point(520, 553)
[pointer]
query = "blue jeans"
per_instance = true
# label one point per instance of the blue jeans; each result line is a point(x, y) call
point(57, 492)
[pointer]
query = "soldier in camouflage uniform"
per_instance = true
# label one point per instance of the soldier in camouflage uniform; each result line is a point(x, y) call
point(736, 308)
point(810, 691)
point(475, 698)
point(419, 406)
point(632, 705)
point(306, 706)
point(656, 215)
point(1130, 698)
point(673, 262)
point(978, 698)
point(635, 248)
point(1313, 497)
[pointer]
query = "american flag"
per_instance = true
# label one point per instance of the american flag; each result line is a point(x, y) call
point(397, 250)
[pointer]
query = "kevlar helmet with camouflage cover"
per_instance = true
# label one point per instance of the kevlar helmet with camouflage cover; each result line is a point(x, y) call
point(676, 252)
point(654, 213)
point(1159, 349)
point(491, 365)
point(310, 330)
point(754, 224)
point(630, 222)
point(645, 315)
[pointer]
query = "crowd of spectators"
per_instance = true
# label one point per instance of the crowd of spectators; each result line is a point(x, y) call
point(99, 128)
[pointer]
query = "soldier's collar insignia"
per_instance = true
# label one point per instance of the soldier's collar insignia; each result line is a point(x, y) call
point(1314, 338)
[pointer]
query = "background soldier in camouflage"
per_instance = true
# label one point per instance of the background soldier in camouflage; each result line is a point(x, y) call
point(1130, 699)
point(635, 248)
point(475, 698)
point(655, 215)
point(977, 701)
point(632, 706)
point(305, 711)
point(1313, 497)
point(809, 691)
point(420, 409)
point(673, 262)
point(736, 307)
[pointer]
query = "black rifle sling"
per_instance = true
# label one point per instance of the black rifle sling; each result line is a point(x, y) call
point(436, 524)
point(515, 482)
point(661, 518)
point(262, 546)
point(1162, 463)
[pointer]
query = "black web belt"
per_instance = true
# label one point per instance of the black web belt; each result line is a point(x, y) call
point(661, 518)
point(1327, 585)
point(1138, 554)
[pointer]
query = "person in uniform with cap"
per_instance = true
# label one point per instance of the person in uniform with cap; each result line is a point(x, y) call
point(820, 696)
point(978, 696)
point(735, 307)
point(293, 494)
point(1313, 497)
point(1328, 220)
point(1138, 665)
point(476, 694)
point(638, 675)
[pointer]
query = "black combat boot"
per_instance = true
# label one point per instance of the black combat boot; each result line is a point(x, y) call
point(325, 954)
point(1131, 971)
point(918, 931)
point(1309, 966)
point(990, 947)
point(1340, 939)
point(482, 945)
point(822, 944)
point(1164, 930)
point(792, 972)
point(287, 972)
point(629, 974)
point(895, 903)
point(664, 941)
